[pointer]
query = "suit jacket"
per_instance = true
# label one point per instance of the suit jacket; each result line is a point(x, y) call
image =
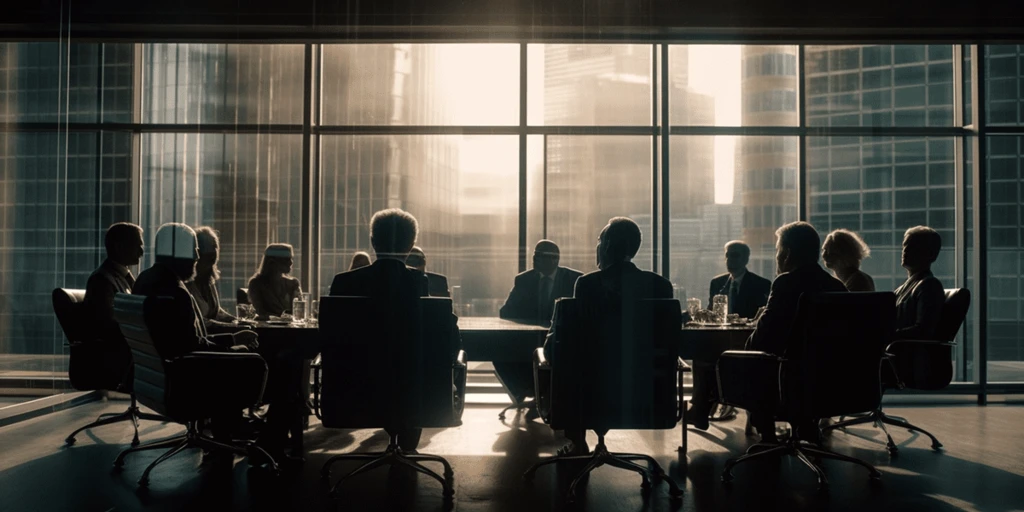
point(437, 285)
point(108, 280)
point(523, 302)
point(180, 329)
point(753, 293)
point(619, 284)
point(390, 279)
point(919, 303)
point(773, 329)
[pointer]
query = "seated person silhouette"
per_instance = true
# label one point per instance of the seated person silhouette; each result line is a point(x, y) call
point(617, 282)
point(920, 298)
point(359, 260)
point(532, 300)
point(182, 329)
point(842, 252)
point(392, 235)
point(271, 289)
point(747, 293)
point(203, 286)
point(437, 284)
point(124, 246)
point(796, 258)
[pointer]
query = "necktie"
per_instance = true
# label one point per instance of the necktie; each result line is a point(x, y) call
point(545, 308)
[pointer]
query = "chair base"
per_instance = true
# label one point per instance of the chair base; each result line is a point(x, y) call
point(723, 413)
point(879, 419)
point(393, 456)
point(528, 405)
point(601, 456)
point(192, 438)
point(801, 450)
point(132, 414)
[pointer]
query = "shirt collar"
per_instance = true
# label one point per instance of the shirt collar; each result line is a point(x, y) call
point(118, 268)
point(552, 276)
point(739, 278)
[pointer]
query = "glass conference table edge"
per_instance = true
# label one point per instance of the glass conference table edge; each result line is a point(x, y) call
point(492, 339)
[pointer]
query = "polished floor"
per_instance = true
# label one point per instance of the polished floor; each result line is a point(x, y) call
point(980, 469)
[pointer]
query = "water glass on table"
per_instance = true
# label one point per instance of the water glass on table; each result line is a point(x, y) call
point(692, 307)
point(720, 307)
point(244, 313)
point(299, 309)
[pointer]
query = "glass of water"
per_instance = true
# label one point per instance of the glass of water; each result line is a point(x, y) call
point(245, 312)
point(298, 310)
point(692, 307)
point(720, 306)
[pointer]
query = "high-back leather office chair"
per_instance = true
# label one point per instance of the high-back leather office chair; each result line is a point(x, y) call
point(831, 367)
point(189, 388)
point(613, 369)
point(919, 364)
point(387, 365)
point(89, 365)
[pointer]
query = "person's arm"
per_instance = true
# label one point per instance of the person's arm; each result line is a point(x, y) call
point(929, 297)
point(512, 309)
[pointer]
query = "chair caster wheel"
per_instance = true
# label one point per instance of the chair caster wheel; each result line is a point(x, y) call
point(727, 478)
point(448, 493)
point(893, 450)
point(144, 482)
point(325, 476)
point(69, 441)
point(645, 486)
point(675, 493)
point(936, 446)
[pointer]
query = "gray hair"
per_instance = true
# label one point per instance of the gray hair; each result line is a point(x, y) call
point(393, 232)
point(802, 240)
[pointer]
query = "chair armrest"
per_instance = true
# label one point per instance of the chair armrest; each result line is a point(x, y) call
point(216, 381)
point(542, 384)
point(921, 364)
point(682, 367)
point(460, 359)
point(749, 379)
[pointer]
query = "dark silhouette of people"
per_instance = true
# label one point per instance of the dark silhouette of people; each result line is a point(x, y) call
point(532, 300)
point(271, 289)
point(617, 282)
point(920, 298)
point(437, 284)
point(746, 290)
point(747, 293)
point(124, 246)
point(392, 235)
point(796, 258)
point(359, 260)
point(181, 329)
point(203, 286)
point(842, 252)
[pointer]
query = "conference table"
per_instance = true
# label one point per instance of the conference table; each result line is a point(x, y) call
point(494, 339)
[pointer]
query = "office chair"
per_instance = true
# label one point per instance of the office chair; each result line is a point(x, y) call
point(89, 365)
point(612, 369)
point(387, 365)
point(918, 364)
point(831, 367)
point(230, 382)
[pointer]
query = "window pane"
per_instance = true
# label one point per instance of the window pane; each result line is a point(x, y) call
point(590, 84)
point(1004, 84)
point(420, 84)
point(463, 190)
point(51, 82)
point(752, 192)
point(898, 193)
point(887, 91)
point(729, 85)
point(1005, 259)
point(247, 187)
point(222, 83)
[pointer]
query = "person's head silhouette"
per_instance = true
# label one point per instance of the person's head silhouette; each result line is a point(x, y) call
point(124, 244)
point(177, 247)
point(797, 246)
point(619, 241)
point(393, 233)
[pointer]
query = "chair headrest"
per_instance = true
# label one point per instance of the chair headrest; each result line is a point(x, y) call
point(954, 312)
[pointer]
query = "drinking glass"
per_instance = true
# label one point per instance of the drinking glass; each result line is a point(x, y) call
point(692, 307)
point(245, 312)
point(314, 310)
point(298, 310)
point(720, 307)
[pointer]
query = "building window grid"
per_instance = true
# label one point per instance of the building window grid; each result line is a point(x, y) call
point(972, 132)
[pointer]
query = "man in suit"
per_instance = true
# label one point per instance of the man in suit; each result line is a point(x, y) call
point(796, 257)
point(617, 282)
point(532, 300)
point(746, 290)
point(437, 284)
point(392, 235)
point(919, 300)
point(124, 246)
point(181, 328)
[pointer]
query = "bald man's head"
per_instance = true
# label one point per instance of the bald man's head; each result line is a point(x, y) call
point(545, 257)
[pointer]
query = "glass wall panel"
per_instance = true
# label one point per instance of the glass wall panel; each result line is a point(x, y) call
point(1005, 259)
point(589, 84)
point(420, 84)
point(879, 85)
point(591, 179)
point(1004, 84)
point(248, 187)
point(730, 85)
point(222, 83)
point(463, 190)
